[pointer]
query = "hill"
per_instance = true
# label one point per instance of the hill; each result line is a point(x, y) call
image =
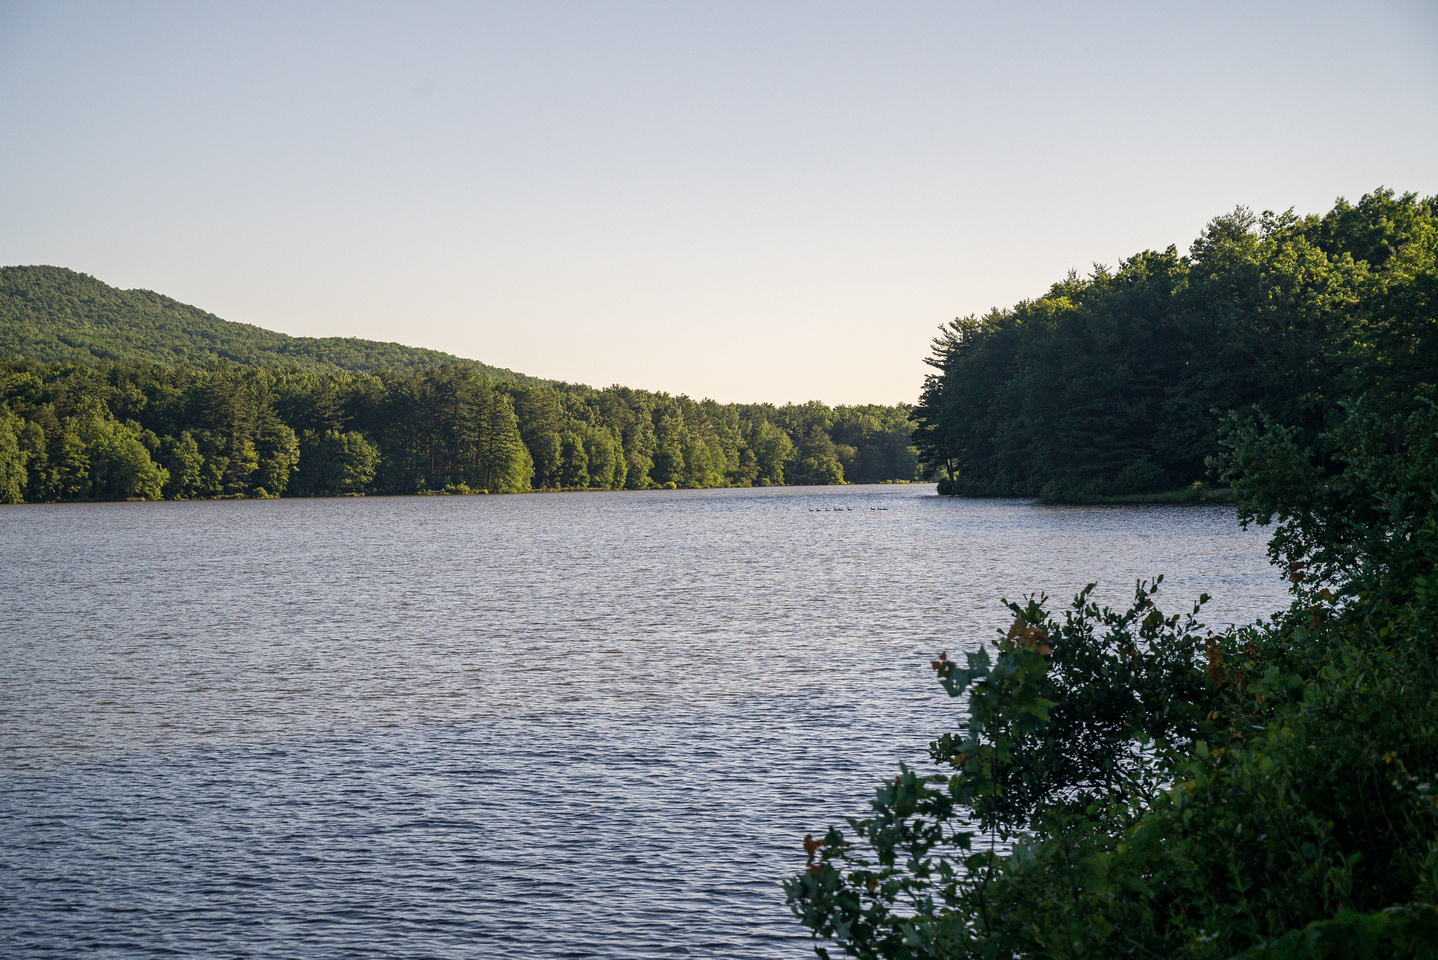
point(55, 315)
point(110, 394)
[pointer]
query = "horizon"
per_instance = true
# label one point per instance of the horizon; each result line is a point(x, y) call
point(742, 204)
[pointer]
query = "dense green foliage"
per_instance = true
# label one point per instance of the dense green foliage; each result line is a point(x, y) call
point(1117, 384)
point(1130, 784)
point(112, 394)
point(59, 316)
point(1127, 783)
point(145, 431)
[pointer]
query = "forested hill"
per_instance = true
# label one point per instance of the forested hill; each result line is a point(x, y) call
point(1119, 383)
point(116, 395)
point(53, 314)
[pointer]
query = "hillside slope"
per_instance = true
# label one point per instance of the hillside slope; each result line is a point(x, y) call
point(53, 314)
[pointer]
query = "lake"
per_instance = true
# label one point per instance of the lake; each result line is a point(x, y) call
point(549, 725)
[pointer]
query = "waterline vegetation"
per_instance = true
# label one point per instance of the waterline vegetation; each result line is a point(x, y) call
point(1130, 783)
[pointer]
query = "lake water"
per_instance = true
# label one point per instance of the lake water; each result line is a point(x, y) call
point(558, 725)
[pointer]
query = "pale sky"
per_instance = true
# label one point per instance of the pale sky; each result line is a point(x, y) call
point(745, 201)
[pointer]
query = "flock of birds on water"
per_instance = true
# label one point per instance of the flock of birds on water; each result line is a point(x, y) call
point(838, 509)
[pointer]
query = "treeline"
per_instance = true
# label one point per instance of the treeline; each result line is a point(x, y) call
point(1116, 383)
point(147, 431)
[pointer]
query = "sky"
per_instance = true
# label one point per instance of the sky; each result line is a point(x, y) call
point(769, 201)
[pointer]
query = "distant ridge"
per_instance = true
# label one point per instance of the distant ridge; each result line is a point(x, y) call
point(53, 314)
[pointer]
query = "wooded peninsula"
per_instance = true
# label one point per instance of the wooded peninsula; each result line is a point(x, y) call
point(1118, 383)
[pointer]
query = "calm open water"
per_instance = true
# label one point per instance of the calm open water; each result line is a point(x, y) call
point(560, 725)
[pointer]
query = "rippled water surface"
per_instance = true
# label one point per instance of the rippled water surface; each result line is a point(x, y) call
point(561, 725)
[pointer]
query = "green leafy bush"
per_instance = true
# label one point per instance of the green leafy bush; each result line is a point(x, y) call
point(1131, 784)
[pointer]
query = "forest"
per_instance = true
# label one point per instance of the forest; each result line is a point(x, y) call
point(143, 431)
point(1117, 383)
point(110, 394)
point(1131, 782)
